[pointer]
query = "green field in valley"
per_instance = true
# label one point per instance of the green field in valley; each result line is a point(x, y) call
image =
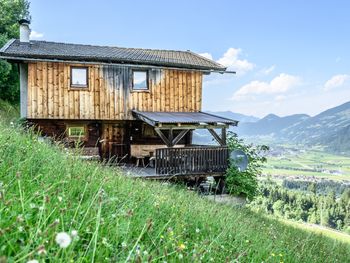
point(312, 162)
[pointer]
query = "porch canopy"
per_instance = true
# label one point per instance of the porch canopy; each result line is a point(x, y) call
point(184, 121)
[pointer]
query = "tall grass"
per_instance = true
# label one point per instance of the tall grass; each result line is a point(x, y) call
point(44, 191)
point(8, 112)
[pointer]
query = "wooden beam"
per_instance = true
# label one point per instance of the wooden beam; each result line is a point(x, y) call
point(223, 136)
point(189, 126)
point(216, 137)
point(179, 137)
point(171, 135)
point(163, 137)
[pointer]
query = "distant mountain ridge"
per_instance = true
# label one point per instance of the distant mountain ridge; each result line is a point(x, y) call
point(330, 128)
point(270, 125)
point(235, 116)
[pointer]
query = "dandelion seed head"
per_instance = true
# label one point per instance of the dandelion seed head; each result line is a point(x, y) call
point(63, 239)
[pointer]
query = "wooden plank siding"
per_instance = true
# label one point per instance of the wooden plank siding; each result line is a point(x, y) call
point(109, 95)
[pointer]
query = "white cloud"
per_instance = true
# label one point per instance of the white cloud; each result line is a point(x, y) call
point(336, 81)
point(280, 97)
point(206, 55)
point(280, 84)
point(35, 35)
point(230, 59)
point(267, 71)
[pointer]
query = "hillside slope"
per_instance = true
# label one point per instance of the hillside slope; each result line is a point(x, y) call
point(329, 128)
point(321, 126)
point(45, 191)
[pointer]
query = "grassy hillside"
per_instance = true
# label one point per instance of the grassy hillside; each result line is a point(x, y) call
point(43, 191)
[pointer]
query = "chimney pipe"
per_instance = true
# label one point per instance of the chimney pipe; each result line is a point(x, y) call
point(24, 30)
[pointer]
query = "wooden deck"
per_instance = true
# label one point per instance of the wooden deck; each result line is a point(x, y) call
point(182, 164)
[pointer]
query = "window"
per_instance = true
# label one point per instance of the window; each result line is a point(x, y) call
point(139, 80)
point(76, 132)
point(79, 77)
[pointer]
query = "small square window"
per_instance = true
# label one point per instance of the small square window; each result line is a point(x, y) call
point(76, 132)
point(139, 80)
point(79, 77)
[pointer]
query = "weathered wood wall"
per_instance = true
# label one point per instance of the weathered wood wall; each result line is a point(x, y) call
point(109, 95)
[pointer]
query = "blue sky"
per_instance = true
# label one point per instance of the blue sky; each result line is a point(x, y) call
point(290, 56)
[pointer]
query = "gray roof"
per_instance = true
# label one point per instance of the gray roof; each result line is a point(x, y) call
point(63, 51)
point(155, 118)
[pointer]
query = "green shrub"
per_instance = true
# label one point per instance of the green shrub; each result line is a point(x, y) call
point(244, 182)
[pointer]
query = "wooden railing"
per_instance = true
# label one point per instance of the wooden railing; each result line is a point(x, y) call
point(201, 160)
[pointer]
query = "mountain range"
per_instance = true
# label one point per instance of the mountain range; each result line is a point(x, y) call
point(330, 128)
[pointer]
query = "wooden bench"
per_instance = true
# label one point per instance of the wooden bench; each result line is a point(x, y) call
point(141, 151)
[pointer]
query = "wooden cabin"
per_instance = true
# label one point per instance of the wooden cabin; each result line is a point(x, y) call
point(130, 104)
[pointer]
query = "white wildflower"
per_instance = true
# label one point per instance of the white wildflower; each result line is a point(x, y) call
point(124, 245)
point(60, 198)
point(32, 261)
point(63, 239)
point(74, 233)
point(197, 230)
point(20, 228)
point(180, 256)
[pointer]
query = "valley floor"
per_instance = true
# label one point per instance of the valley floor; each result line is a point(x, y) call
point(312, 163)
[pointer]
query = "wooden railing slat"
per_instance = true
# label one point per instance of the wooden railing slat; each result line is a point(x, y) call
point(191, 160)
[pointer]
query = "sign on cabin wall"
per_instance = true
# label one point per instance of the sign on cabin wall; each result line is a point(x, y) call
point(107, 93)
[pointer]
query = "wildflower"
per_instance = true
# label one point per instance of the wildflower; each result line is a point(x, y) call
point(124, 245)
point(273, 254)
point(20, 228)
point(197, 230)
point(41, 250)
point(138, 248)
point(104, 241)
point(32, 261)
point(181, 256)
point(182, 246)
point(60, 198)
point(20, 218)
point(32, 206)
point(63, 239)
point(74, 233)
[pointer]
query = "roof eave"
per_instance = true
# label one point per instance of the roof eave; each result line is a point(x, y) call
point(16, 57)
